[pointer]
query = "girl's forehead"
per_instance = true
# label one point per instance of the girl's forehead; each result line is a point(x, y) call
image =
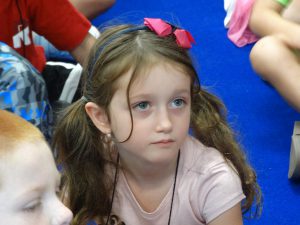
point(161, 76)
point(142, 72)
point(160, 71)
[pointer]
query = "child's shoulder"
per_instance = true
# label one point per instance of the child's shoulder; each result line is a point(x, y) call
point(201, 159)
point(209, 179)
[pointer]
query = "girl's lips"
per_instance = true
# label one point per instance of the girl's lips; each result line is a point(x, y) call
point(163, 142)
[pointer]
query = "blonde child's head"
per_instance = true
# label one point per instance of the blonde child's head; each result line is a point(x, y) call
point(29, 180)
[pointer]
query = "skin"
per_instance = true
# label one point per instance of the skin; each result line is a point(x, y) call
point(83, 49)
point(280, 32)
point(161, 118)
point(29, 186)
point(92, 8)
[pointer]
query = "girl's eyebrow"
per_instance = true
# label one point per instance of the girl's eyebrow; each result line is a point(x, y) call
point(183, 91)
point(176, 92)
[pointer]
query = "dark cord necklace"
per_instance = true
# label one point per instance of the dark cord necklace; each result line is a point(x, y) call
point(115, 182)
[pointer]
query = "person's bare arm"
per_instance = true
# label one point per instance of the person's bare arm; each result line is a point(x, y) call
point(266, 19)
point(232, 216)
point(81, 52)
point(92, 8)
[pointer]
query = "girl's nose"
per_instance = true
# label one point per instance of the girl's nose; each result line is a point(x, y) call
point(164, 123)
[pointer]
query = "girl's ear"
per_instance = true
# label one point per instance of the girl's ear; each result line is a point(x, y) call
point(99, 117)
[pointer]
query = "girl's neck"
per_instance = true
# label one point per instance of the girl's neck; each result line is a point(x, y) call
point(148, 175)
point(150, 183)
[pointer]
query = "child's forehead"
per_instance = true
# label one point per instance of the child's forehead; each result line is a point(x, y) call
point(29, 160)
point(27, 172)
point(9, 144)
point(28, 153)
point(140, 73)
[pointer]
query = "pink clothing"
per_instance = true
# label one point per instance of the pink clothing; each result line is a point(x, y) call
point(239, 32)
point(206, 187)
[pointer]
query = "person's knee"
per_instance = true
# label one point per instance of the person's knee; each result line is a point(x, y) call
point(266, 53)
point(263, 49)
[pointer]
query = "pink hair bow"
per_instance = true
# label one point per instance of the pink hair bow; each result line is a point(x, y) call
point(184, 38)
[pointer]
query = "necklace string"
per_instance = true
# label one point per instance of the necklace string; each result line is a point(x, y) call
point(174, 187)
point(115, 182)
point(114, 189)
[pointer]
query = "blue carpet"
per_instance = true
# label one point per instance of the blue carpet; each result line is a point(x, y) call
point(262, 119)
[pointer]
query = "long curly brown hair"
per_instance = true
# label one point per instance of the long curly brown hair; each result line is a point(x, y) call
point(82, 148)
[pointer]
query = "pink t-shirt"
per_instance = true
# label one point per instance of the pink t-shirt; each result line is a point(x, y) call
point(239, 32)
point(206, 187)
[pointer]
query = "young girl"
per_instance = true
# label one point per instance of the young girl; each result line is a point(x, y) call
point(29, 179)
point(125, 146)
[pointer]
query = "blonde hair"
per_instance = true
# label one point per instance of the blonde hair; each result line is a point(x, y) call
point(82, 148)
point(14, 129)
point(13, 132)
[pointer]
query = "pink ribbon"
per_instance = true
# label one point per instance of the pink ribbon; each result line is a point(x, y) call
point(184, 38)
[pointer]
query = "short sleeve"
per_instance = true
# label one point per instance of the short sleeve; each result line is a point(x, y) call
point(222, 191)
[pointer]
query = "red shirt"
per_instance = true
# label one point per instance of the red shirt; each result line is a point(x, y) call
point(56, 20)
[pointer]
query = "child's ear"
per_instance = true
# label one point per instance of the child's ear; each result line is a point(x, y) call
point(99, 117)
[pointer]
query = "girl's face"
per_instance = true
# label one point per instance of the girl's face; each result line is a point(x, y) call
point(161, 105)
point(29, 182)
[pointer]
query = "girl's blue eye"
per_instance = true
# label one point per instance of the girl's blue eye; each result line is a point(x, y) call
point(178, 103)
point(142, 106)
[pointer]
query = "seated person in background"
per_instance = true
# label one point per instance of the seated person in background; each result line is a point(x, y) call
point(28, 176)
point(61, 24)
point(275, 27)
point(56, 20)
point(275, 57)
point(23, 90)
point(279, 46)
point(92, 8)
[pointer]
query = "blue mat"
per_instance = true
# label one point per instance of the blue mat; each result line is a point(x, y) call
point(262, 119)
